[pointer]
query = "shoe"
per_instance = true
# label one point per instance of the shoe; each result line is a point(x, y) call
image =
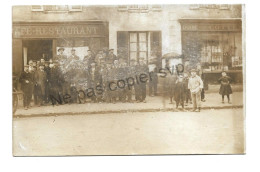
point(222, 101)
point(197, 110)
point(25, 108)
point(193, 110)
point(144, 101)
point(170, 103)
point(203, 100)
point(229, 102)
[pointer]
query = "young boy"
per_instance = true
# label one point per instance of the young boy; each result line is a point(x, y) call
point(225, 88)
point(195, 85)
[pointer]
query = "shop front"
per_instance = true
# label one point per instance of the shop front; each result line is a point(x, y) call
point(213, 45)
point(36, 40)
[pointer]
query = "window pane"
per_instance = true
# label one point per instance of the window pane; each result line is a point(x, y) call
point(133, 55)
point(133, 46)
point(133, 37)
point(142, 55)
point(142, 47)
point(142, 37)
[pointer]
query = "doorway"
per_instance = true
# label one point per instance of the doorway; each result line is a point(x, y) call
point(37, 49)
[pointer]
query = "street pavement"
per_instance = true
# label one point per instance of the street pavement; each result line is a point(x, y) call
point(214, 131)
point(153, 104)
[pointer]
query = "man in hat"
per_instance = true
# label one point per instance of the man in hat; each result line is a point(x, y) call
point(195, 85)
point(153, 81)
point(47, 70)
point(111, 56)
point(73, 55)
point(26, 80)
point(99, 56)
point(56, 81)
point(143, 71)
point(60, 56)
point(40, 83)
point(89, 58)
point(94, 80)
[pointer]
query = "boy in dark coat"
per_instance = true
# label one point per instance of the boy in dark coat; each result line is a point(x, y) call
point(179, 92)
point(225, 88)
point(26, 80)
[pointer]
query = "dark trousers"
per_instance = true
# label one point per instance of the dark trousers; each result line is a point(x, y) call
point(122, 94)
point(187, 96)
point(140, 92)
point(128, 93)
point(202, 94)
point(152, 88)
point(38, 95)
point(180, 100)
point(47, 93)
point(27, 91)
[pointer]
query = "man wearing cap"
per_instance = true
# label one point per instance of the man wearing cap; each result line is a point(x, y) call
point(111, 56)
point(89, 58)
point(60, 56)
point(144, 72)
point(47, 70)
point(56, 81)
point(94, 80)
point(153, 81)
point(26, 80)
point(195, 85)
point(73, 55)
point(40, 83)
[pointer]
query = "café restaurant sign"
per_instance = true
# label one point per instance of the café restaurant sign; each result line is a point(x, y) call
point(59, 30)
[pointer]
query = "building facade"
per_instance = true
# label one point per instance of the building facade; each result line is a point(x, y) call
point(209, 35)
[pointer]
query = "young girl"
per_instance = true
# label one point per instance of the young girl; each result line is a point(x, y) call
point(225, 88)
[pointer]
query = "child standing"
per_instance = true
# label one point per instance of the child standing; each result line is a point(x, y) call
point(179, 92)
point(195, 85)
point(225, 88)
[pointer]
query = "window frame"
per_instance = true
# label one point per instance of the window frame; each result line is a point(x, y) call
point(137, 44)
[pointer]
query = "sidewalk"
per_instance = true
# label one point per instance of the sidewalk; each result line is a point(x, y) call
point(153, 104)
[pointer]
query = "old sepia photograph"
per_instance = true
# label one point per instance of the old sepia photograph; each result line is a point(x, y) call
point(144, 79)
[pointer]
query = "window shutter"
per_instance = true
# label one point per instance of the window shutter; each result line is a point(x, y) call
point(156, 46)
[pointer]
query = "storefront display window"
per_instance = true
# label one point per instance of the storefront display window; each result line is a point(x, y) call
point(215, 47)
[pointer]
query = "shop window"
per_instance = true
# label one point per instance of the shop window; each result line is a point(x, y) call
point(215, 51)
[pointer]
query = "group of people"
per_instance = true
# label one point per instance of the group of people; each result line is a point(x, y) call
point(96, 78)
point(106, 78)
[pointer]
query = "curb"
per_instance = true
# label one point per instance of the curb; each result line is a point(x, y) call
point(123, 111)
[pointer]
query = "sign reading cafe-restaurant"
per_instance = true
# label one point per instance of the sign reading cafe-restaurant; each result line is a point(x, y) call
point(58, 30)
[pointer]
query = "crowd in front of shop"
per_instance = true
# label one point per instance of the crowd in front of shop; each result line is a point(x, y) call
point(104, 77)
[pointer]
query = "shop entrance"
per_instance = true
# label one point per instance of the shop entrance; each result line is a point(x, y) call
point(37, 49)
